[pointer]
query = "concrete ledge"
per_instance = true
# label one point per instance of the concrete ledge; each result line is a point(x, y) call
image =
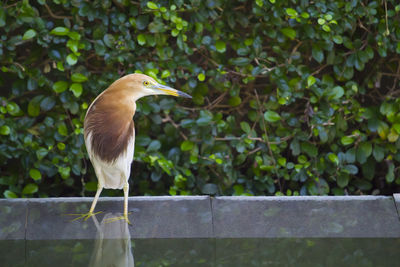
point(397, 203)
point(301, 217)
point(203, 217)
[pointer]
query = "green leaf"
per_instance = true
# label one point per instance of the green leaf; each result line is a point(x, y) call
point(364, 150)
point(234, 101)
point(305, 15)
point(62, 129)
point(342, 179)
point(295, 147)
point(34, 107)
point(76, 89)
point(78, 78)
point(336, 92)
point(204, 119)
point(152, 5)
point(201, 77)
point(396, 127)
point(309, 149)
point(390, 174)
point(72, 59)
point(29, 34)
point(271, 116)
point(238, 190)
point(326, 28)
point(61, 31)
point(30, 189)
point(141, 39)
point(47, 103)
point(317, 53)
point(60, 86)
point(60, 66)
point(165, 74)
point(4, 130)
point(366, 147)
point(2, 17)
point(109, 40)
point(352, 169)
point(31, 84)
point(378, 153)
point(9, 194)
point(282, 161)
point(333, 158)
point(154, 146)
point(74, 36)
point(187, 145)
point(64, 172)
point(245, 127)
point(41, 153)
point(337, 39)
point(310, 81)
point(35, 174)
point(387, 109)
point(392, 136)
point(289, 32)
point(347, 140)
point(73, 45)
point(350, 155)
point(383, 129)
point(61, 146)
point(323, 135)
point(220, 46)
point(291, 12)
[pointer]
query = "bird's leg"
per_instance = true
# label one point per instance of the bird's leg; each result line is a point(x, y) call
point(126, 195)
point(86, 216)
point(125, 217)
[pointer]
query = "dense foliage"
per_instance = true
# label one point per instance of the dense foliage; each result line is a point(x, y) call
point(289, 97)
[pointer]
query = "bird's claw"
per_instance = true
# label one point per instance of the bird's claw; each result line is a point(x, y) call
point(84, 216)
point(114, 219)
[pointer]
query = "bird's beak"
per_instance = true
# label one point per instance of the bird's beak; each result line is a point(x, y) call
point(170, 91)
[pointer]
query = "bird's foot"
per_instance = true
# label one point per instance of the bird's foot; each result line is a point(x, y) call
point(119, 218)
point(83, 216)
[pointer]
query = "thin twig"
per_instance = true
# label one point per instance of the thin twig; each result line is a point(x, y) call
point(54, 15)
point(254, 151)
point(294, 51)
point(168, 119)
point(386, 19)
point(396, 78)
point(267, 139)
point(259, 139)
point(319, 69)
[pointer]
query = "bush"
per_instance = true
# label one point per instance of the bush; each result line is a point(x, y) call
point(289, 97)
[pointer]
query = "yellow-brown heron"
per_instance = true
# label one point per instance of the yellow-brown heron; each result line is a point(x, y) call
point(110, 134)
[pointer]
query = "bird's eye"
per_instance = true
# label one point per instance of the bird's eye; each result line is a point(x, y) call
point(146, 83)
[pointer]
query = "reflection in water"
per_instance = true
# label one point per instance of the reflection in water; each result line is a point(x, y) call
point(113, 243)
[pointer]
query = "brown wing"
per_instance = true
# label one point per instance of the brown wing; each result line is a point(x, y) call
point(110, 128)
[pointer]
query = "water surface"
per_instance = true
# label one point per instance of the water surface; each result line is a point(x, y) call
point(203, 252)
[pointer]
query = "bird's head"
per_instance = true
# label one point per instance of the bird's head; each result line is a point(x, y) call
point(143, 85)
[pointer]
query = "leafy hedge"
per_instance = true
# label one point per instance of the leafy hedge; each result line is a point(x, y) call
point(289, 97)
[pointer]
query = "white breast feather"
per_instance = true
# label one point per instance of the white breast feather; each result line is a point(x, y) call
point(112, 175)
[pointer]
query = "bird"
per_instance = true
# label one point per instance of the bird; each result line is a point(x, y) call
point(109, 133)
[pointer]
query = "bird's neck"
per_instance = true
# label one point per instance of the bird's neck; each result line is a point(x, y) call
point(117, 106)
